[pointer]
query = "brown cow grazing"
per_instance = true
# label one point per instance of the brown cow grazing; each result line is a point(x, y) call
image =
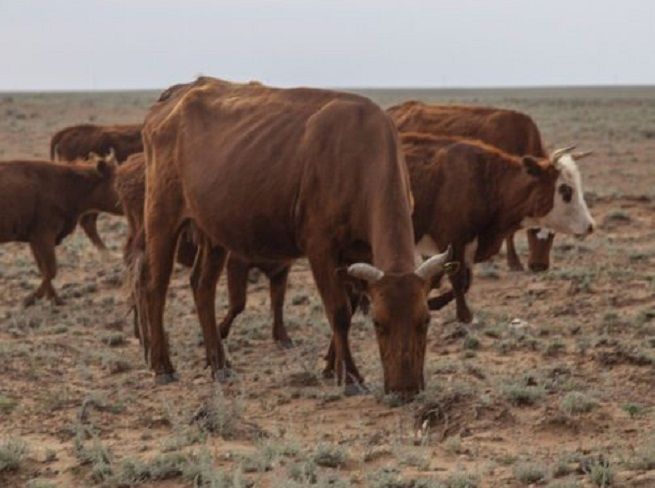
point(513, 132)
point(474, 195)
point(79, 141)
point(130, 186)
point(275, 174)
point(41, 204)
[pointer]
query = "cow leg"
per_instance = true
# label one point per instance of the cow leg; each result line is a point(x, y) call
point(357, 299)
point(237, 286)
point(206, 272)
point(339, 311)
point(89, 225)
point(513, 260)
point(461, 280)
point(278, 288)
point(160, 252)
point(43, 249)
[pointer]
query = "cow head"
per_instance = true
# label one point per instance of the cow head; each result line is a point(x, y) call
point(401, 317)
point(103, 196)
point(568, 213)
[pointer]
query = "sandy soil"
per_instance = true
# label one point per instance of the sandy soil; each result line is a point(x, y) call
point(554, 385)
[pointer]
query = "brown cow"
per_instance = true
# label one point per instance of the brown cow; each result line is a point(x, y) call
point(474, 195)
point(275, 174)
point(130, 187)
point(42, 202)
point(513, 132)
point(79, 141)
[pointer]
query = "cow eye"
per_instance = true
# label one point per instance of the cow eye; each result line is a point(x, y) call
point(566, 191)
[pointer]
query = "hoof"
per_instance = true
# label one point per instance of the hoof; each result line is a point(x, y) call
point(328, 373)
point(285, 343)
point(29, 301)
point(353, 389)
point(224, 375)
point(515, 267)
point(165, 378)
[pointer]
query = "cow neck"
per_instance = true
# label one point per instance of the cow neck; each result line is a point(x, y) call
point(88, 181)
point(514, 197)
point(391, 234)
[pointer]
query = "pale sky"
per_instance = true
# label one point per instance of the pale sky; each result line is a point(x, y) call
point(129, 44)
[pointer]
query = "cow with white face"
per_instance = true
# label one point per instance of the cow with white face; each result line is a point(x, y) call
point(570, 214)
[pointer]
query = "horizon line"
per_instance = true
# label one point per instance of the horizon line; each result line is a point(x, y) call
point(342, 87)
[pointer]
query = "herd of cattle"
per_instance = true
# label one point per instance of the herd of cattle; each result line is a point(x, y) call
point(382, 204)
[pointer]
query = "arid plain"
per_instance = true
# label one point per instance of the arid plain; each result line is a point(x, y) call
point(554, 385)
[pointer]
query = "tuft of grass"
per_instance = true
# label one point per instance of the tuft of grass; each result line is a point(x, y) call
point(461, 479)
point(520, 394)
point(453, 444)
point(576, 402)
point(330, 455)
point(633, 409)
point(7, 405)
point(220, 415)
point(644, 457)
point(113, 340)
point(530, 473)
point(303, 472)
point(12, 453)
point(601, 473)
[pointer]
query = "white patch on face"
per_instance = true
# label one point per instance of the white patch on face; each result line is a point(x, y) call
point(571, 217)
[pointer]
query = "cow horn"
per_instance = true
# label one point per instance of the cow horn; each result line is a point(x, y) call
point(366, 272)
point(580, 155)
point(558, 153)
point(111, 155)
point(434, 265)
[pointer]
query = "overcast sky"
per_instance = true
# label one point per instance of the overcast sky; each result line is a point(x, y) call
point(110, 44)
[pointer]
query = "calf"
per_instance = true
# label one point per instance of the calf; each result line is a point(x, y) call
point(130, 187)
point(41, 204)
point(80, 141)
point(474, 195)
point(513, 132)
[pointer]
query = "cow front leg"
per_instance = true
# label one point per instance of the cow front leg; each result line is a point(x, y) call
point(278, 288)
point(338, 308)
point(43, 249)
point(513, 260)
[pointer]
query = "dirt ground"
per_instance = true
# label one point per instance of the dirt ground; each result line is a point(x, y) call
point(554, 385)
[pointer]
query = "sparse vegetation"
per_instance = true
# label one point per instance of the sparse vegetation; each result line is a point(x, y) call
point(576, 402)
point(12, 453)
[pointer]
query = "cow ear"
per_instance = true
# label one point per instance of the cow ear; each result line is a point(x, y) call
point(104, 168)
point(532, 166)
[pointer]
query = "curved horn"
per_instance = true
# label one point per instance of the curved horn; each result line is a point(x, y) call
point(558, 153)
point(111, 155)
point(434, 265)
point(366, 272)
point(580, 155)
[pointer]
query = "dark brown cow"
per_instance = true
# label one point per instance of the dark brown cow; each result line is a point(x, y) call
point(79, 141)
point(130, 186)
point(42, 202)
point(513, 132)
point(274, 174)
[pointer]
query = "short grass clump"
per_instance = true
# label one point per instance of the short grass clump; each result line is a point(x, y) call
point(601, 473)
point(576, 402)
point(7, 405)
point(519, 394)
point(12, 453)
point(529, 473)
point(330, 455)
point(644, 457)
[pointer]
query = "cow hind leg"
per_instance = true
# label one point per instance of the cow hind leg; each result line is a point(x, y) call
point(89, 224)
point(278, 288)
point(160, 253)
point(513, 260)
point(237, 286)
point(461, 282)
point(207, 269)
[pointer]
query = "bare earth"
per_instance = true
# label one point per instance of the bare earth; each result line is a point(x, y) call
point(554, 385)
